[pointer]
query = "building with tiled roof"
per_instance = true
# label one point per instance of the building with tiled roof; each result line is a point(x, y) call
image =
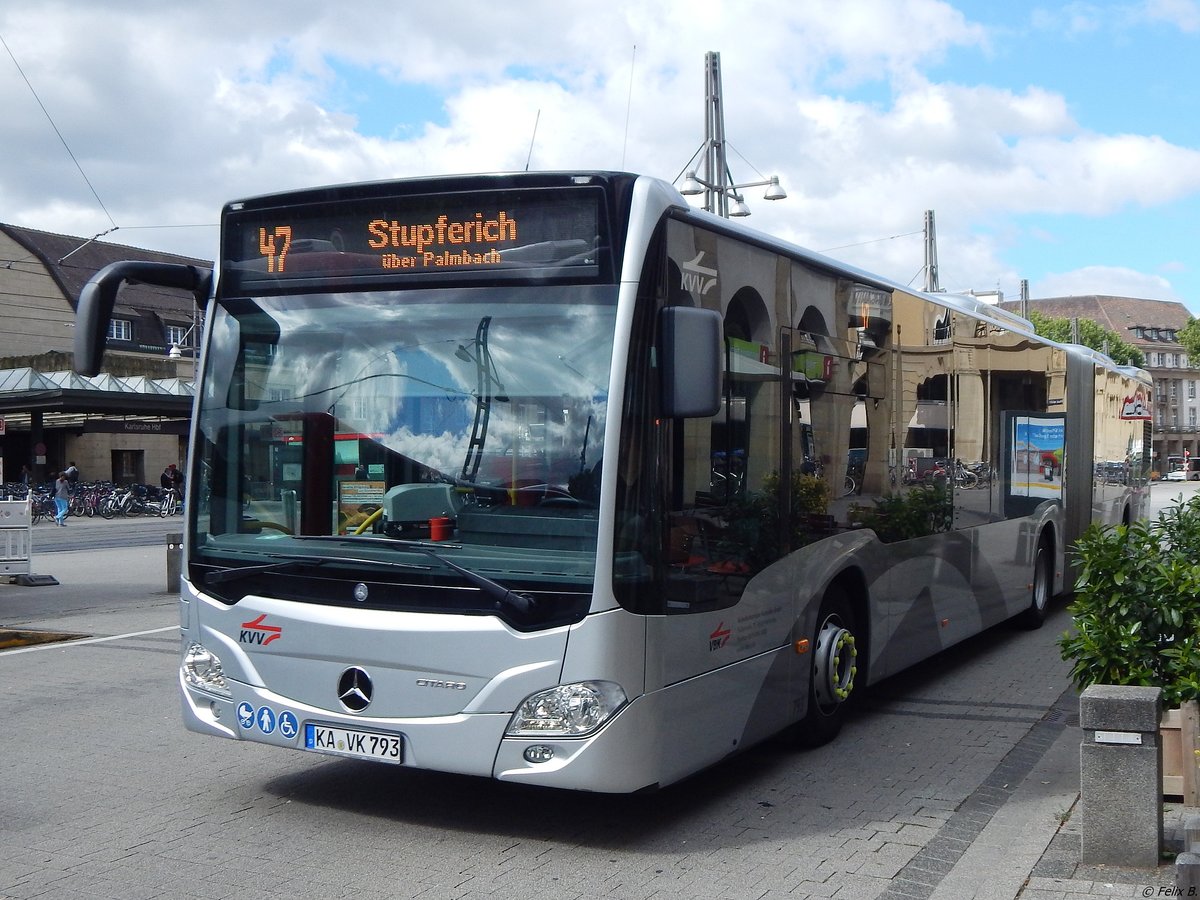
point(129, 422)
point(1151, 326)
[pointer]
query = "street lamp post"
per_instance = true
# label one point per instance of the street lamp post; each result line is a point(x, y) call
point(176, 349)
point(717, 185)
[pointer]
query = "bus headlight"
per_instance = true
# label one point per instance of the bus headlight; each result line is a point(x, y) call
point(202, 669)
point(569, 710)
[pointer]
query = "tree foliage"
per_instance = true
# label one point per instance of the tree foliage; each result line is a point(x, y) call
point(1091, 334)
point(1189, 338)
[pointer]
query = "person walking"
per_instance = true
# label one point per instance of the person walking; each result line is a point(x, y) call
point(62, 498)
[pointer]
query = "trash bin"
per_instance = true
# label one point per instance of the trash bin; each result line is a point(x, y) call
point(174, 562)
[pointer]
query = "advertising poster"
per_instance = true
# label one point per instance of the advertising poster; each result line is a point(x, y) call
point(356, 501)
point(1033, 471)
point(1037, 455)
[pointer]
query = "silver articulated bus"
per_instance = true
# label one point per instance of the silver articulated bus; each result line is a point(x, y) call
point(551, 478)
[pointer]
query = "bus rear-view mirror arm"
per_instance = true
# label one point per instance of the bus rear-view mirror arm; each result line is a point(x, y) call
point(99, 296)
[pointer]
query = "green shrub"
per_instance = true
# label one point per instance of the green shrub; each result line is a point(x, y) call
point(1136, 608)
point(753, 526)
point(909, 514)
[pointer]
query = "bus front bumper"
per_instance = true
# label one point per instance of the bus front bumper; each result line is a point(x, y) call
point(619, 758)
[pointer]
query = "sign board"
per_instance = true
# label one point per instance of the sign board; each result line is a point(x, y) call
point(1118, 737)
point(357, 500)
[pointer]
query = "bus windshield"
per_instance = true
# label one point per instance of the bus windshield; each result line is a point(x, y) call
point(364, 429)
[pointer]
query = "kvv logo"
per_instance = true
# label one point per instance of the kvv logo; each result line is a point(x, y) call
point(696, 278)
point(255, 632)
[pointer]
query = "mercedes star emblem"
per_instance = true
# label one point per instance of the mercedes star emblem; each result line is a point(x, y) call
point(355, 689)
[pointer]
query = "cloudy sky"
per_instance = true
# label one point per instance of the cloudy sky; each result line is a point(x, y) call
point(1055, 142)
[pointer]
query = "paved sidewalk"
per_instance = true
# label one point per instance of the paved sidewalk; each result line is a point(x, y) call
point(1018, 834)
point(1059, 875)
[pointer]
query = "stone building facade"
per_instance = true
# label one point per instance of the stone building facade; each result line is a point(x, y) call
point(1152, 326)
point(126, 424)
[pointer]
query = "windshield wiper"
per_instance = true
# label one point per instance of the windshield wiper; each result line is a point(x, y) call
point(236, 573)
point(515, 601)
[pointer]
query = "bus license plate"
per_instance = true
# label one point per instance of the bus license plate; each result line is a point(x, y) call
point(359, 744)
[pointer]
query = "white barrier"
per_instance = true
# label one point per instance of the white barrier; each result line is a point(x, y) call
point(16, 537)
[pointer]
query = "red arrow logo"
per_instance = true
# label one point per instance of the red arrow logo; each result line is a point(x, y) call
point(719, 637)
point(274, 631)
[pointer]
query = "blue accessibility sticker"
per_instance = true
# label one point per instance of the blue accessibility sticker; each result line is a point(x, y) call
point(266, 719)
point(289, 727)
point(245, 714)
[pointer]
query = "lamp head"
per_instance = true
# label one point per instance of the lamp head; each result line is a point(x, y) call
point(774, 190)
point(691, 185)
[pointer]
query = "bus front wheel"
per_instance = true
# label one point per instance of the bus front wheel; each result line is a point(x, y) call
point(834, 653)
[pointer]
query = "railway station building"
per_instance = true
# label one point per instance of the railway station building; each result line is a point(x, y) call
point(125, 424)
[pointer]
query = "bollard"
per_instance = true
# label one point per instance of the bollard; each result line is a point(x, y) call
point(1120, 764)
point(1187, 875)
point(174, 562)
point(1187, 863)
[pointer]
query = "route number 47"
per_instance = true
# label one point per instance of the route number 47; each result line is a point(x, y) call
point(274, 246)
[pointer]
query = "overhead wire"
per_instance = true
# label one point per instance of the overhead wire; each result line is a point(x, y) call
point(872, 241)
point(50, 119)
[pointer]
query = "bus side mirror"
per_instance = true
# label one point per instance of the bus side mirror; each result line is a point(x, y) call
point(691, 362)
point(99, 296)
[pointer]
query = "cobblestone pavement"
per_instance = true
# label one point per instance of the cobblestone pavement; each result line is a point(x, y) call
point(953, 781)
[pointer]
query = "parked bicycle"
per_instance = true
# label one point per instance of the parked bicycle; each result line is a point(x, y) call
point(964, 477)
point(135, 500)
point(170, 504)
point(982, 472)
point(728, 479)
point(41, 506)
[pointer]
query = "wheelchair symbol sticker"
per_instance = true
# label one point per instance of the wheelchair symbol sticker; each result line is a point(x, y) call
point(289, 727)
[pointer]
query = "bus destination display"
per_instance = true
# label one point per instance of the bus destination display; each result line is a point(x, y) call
point(544, 230)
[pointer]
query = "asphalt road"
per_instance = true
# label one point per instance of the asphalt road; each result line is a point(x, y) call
point(82, 533)
point(1164, 493)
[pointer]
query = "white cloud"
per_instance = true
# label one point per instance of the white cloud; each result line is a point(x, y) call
point(1183, 14)
point(172, 112)
point(1105, 280)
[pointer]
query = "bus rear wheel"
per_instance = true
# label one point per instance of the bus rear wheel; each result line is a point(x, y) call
point(834, 650)
point(1042, 587)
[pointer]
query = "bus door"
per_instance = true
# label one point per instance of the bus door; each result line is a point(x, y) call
point(710, 652)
